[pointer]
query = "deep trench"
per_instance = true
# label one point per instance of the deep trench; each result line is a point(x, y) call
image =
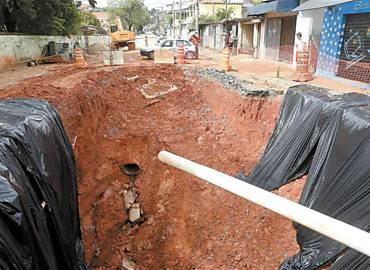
point(186, 224)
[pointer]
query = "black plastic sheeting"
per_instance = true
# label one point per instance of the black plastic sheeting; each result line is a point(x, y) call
point(39, 223)
point(326, 137)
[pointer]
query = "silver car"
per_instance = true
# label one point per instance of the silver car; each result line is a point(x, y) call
point(170, 44)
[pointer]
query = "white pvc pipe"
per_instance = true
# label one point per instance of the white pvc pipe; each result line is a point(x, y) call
point(328, 226)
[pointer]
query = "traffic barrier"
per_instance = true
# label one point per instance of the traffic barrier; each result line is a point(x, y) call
point(164, 56)
point(117, 58)
point(225, 60)
point(302, 73)
point(106, 58)
point(180, 55)
point(79, 59)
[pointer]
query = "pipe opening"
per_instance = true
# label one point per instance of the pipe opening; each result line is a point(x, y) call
point(131, 169)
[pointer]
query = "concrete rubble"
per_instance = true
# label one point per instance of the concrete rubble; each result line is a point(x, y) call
point(134, 212)
point(129, 197)
point(128, 264)
point(230, 81)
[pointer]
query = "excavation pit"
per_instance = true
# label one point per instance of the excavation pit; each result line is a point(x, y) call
point(189, 224)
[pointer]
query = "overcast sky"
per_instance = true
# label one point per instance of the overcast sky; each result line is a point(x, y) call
point(149, 3)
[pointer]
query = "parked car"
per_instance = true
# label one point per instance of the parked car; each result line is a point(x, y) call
point(160, 40)
point(170, 44)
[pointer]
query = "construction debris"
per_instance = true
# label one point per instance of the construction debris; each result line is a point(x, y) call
point(232, 82)
point(129, 198)
point(134, 212)
point(164, 57)
point(148, 96)
point(128, 264)
point(133, 79)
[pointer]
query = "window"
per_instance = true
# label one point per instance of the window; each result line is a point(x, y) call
point(168, 44)
point(179, 42)
point(183, 42)
point(187, 43)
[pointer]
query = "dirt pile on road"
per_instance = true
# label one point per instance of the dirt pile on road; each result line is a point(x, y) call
point(186, 223)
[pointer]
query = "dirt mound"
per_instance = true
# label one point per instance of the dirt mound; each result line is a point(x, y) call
point(188, 224)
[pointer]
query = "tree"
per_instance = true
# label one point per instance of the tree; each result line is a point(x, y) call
point(169, 20)
point(133, 13)
point(47, 17)
point(204, 19)
point(87, 19)
point(222, 14)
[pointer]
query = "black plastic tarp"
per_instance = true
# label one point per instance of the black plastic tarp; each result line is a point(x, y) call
point(326, 137)
point(39, 222)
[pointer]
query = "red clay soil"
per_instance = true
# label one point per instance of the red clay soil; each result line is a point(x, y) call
point(189, 224)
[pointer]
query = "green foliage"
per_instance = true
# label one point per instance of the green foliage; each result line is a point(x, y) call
point(47, 17)
point(169, 20)
point(222, 14)
point(204, 19)
point(133, 13)
point(87, 18)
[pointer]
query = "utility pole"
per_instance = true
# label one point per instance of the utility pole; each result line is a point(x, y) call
point(173, 19)
point(180, 20)
point(197, 16)
point(226, 10)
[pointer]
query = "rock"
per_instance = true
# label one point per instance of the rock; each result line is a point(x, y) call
point(129, 197)
point(128, 264)
point(134, 212)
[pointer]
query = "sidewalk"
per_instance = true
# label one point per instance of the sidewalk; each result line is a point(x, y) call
point(273, 73)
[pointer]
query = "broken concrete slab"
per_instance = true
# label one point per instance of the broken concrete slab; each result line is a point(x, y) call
point(128, 264)
point(134, 212)
point(164, 57)
point(129, 197)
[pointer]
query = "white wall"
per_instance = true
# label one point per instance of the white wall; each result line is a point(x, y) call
point(26, 47)
point(262, 51)
point(309, 23)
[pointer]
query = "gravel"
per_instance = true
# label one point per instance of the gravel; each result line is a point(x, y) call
point(230, 81)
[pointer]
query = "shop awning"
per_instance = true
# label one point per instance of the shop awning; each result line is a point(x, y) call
point(274, 6)
point(314, 4)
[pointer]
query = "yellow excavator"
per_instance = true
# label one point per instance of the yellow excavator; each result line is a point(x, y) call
point(121, 38)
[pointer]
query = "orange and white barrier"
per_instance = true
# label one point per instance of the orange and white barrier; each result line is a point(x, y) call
point(226, 60)
point(302, 74)
point(79, 59)
point(180, 55)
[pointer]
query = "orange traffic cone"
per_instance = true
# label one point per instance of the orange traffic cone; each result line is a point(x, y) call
point(79, 59)
point(302, 74)
point(225, 60)
point(180, 55)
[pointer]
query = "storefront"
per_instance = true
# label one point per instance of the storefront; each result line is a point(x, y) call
point(280, 33)
point(276, 29)
point(345, 42)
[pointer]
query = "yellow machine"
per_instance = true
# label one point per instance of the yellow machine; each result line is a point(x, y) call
point(121, 38)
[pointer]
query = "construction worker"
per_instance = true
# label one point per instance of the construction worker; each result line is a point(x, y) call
point(300, 45)
point(229, 40)
point(195, 39)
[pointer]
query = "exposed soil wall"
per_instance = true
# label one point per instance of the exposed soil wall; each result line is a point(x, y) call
point(188, 224)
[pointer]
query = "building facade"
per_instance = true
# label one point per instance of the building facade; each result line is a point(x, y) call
point(345, 42)
point(267, 30)
point(211, 7)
